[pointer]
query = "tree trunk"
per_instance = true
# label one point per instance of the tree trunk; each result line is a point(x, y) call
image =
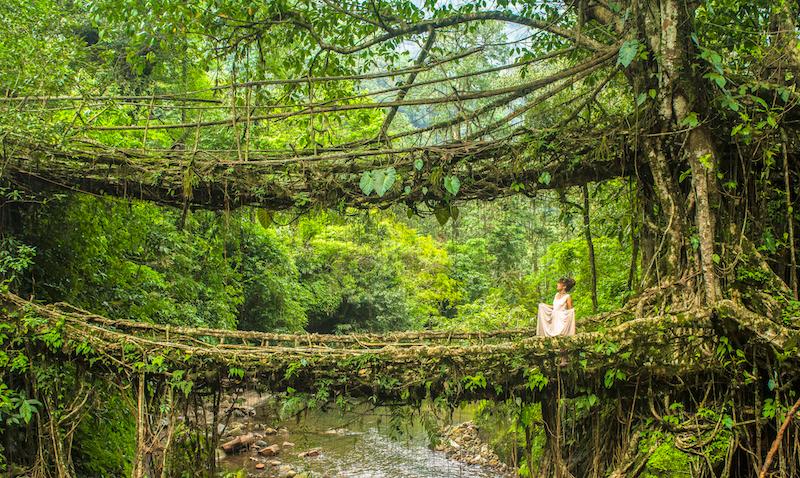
point(587, 230)
point(702, 160)
point(634, 260)
point(789, 218)
point(667, 25)
point(671, 206)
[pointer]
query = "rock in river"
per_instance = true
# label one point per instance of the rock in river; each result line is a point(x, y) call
point(271, 450)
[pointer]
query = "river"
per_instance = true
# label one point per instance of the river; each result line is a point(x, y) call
point(365, 443)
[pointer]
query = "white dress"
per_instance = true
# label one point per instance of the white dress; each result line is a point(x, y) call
point(556, 320)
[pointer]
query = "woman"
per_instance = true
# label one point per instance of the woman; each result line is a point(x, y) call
point(560, 318)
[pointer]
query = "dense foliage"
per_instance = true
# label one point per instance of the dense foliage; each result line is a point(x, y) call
point(665, 132)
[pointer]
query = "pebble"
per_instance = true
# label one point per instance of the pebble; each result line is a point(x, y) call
point(286, 471)
point(260, 466)
point(261, 444)
point(287, 444)
point(270, 431)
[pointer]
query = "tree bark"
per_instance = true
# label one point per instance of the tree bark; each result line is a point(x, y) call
point(671, 205)
point(667, 23)
point(587, 231)
point(702, 160)
point(789, 218)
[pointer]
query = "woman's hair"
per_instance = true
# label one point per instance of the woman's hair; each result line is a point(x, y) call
point(568, 282)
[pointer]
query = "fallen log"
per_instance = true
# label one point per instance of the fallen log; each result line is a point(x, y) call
point(239, 442)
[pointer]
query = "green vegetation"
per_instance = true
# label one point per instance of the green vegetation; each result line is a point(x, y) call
point(367, 271)
point(396, 165)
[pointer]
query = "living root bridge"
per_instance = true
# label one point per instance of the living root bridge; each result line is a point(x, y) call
point(176, 375)
point(217, 180)
point(398, 367)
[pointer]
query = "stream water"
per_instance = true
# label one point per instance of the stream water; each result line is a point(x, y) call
point(359, 444)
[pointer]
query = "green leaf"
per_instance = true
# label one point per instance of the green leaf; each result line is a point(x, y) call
point(727, 421)
point(366, 183)
point(452, 184)
point(717, 78)
point(418, 164)
point(760, 101)
point(730, 103)
point(771, 121)
point(378, 177)
point(652, 93)
point(442, 214)
point(608, 381)
point(641, 99)
point(706, 160)
point(235, 372)
point(690, 120)
point(25, 411)
point(454, 212)
point(391, 177)
point(264, 217)
point(384, 179)
point(545, 178)
point(627, 52)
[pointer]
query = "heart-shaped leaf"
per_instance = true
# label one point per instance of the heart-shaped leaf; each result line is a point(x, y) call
point(378, 177)
point(264, 217)
point(442, 214)
point(418, 163)
point(452, 184)
point(389, 177)
point(454, 212)
point(627, 52)
point(367, 185)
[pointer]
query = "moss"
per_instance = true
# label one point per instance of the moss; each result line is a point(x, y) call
point(717, 450)
point(667, 462)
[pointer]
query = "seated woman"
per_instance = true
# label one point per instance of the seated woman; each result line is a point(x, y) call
point(560, 318)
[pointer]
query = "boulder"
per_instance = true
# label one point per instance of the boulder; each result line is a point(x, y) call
point(232, 430)
point(271, 450)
